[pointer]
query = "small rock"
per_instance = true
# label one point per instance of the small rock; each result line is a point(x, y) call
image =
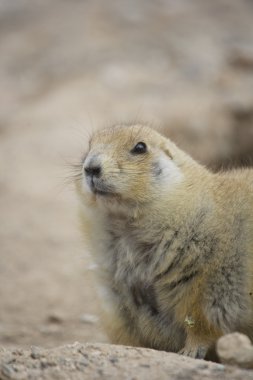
point(50, 329)
point(48, 362)
point(80, 364)
point(36, 352)
point(89, 318)
point(18, 352)
point(235, 349)
point(55, 318)
point(220, 367)
point(113, 359)
point(7, 371)
point(203, 366)
point(92, 267)
point(145, 365)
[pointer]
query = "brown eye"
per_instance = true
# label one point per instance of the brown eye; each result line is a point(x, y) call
point(139, 148)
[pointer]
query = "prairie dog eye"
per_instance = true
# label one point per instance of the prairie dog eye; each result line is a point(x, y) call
point(139, 148)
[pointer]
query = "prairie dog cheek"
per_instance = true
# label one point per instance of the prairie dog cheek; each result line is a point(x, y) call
point(166, 172)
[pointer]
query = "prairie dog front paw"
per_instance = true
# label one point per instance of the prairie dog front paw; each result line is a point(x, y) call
point(197, 352)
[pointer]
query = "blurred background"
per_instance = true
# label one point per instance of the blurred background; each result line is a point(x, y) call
point(68, 67)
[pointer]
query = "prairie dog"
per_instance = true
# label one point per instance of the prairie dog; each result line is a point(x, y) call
point(173, 242)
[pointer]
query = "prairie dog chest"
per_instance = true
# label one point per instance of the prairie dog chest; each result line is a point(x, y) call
point(131, 258)
point(133, 263)
point(132, 267)
point(144, 299)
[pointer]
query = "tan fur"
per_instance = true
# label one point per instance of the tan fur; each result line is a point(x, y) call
point(173, 243)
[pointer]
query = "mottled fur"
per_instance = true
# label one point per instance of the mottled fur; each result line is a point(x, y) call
point(173, 243)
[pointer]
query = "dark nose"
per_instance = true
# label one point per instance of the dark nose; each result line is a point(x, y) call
point(93, 171)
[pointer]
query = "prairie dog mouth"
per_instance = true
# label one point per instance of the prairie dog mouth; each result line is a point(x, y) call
point(98, 187)
point(101, 192)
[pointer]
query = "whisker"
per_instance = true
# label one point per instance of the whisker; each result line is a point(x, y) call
point(72, 179)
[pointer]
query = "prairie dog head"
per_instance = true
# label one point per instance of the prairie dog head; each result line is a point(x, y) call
point(131, 163)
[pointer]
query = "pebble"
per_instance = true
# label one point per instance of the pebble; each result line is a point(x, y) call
point(235, 349)
point(50, 329)
point(7, 371)
point(36, 352)
point(55, 318)
point(89, 318)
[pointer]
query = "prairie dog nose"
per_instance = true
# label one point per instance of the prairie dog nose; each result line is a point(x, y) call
point(93, 171)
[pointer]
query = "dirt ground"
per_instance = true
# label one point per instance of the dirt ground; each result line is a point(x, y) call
point(68, 67)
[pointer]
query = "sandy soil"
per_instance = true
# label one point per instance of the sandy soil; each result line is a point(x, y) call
point(103, 361)
point(68, 67)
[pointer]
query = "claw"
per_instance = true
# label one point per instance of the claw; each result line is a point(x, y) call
point(194, 352)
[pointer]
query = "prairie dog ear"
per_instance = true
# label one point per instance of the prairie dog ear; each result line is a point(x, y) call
point(166, 150)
